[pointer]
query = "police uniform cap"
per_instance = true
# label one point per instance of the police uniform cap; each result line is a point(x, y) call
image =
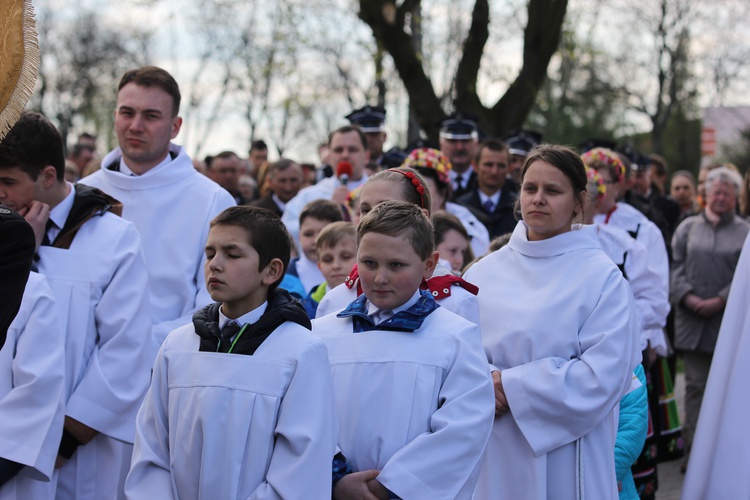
point(459, 126)
point(371, 119)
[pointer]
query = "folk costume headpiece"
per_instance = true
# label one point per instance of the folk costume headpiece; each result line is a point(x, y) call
point(599, 158)
point(430, 158)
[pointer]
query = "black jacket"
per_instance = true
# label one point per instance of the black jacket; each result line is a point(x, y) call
point(282, 307)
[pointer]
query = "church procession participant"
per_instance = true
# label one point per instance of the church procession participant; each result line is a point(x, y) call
point(451, 292)
point(494, 199)
point(435, 167)
point(520, 143)
point(347, 144)
point(241, 402)
point(284, 182)
point(32, 396)
point(315, 216)
point(16, 253)
point(413, 389)
point(336, 248)
point(94, 263)
point(621, 215)
point(371, 120)
point(168, 201)
point(562, 363)
point(459, 134)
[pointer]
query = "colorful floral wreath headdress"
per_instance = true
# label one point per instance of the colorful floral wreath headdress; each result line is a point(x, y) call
point(603, 157)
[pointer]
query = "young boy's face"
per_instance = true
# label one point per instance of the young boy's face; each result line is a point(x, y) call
point(390, 271)
point(335, 262)
point(231, 271)
point(308, 231)
point(17, 190)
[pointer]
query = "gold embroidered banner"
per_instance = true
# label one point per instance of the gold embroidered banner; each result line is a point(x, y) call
point(19, 60)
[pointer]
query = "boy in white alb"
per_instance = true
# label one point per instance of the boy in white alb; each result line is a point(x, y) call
point(95, 268)
point(162, 194)
point(32, 396)
point(241, 403)
point(414, 395)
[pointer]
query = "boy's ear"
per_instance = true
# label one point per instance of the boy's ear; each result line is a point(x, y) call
point(273, 272)
point(430, 264)
point(49, 176)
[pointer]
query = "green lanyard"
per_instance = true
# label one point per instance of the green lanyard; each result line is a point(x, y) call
point(236, 338)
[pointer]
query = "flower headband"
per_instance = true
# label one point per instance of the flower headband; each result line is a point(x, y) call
point(415, 182)
point(430, 158)
point(595, 178)
point(604, 157)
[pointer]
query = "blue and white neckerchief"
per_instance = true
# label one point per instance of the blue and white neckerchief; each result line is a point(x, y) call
point(403, 321)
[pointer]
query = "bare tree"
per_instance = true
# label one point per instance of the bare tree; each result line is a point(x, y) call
point(388, 21)
point(81, 64)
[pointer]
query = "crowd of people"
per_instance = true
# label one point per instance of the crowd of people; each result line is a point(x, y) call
point(490, 318)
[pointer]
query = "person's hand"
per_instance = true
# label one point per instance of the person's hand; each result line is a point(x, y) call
point(354, 486)
point(377, 489)
point(60, 461)
point(692, 301)
point(339, 195)
point(37, 215)
point(501, 403)
point(710, 307)
point(80, 431)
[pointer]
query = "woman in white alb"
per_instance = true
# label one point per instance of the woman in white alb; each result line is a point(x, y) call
point(558, 326)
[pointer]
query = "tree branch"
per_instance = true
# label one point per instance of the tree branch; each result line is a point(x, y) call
point(541, 39)
point(468, 69)
point(409, 66)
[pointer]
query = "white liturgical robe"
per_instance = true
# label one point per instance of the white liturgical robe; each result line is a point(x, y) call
point(171, 207)
point(720, 456)
point(100, 285)
point(32, 393)
point(651, 298)
point(233, 426)
point(558, 320)
point(416, 406)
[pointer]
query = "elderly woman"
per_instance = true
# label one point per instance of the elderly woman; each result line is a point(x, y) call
point(706, 248)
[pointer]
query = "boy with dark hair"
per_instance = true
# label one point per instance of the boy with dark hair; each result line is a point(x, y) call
point(241, 400)
point(414, 395)
point(95, 267)
point(314, 217)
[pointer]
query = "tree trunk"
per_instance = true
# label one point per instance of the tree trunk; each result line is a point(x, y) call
point(542, 36)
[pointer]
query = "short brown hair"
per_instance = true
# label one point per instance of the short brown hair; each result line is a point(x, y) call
point(334, 233)
point(321, 209)
point(345, 130)
point(395, 218)
point(152, 76)
point(267, 234)
point(495, 145)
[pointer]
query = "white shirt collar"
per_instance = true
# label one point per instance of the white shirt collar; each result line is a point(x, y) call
point(60, 213)
point(278, 202)
point(495, 198)
point(372, 309)
point(247, 318)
